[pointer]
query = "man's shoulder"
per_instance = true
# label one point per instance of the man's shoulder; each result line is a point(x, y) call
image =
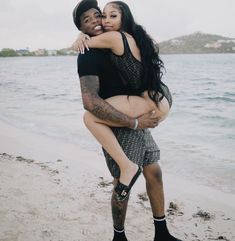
point(91, 62)
point(91, 54)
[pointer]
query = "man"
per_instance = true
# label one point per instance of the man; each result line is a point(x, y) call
point(100, 80)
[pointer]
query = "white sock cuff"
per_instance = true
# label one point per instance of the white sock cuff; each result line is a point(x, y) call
point(159, 219)
point(119, 231)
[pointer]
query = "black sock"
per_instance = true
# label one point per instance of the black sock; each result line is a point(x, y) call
point(161, 230)
point(119, 234)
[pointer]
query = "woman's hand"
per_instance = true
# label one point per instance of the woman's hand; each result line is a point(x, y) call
point(81, 43)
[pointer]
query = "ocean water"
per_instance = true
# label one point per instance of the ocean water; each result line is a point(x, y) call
point(197, 140)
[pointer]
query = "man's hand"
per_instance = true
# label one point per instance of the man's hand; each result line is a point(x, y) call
point(148, 120)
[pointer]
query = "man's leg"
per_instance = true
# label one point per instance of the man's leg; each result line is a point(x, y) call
point(154, 186)
point(134, 145)
point(119, 209)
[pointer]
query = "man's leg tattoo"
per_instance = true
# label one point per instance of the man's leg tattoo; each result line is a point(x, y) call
point(119, 209)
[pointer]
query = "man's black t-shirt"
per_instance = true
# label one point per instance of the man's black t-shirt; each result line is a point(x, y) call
point(137, 144)
point(97, 62)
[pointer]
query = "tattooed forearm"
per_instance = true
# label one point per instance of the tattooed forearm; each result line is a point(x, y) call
point(105, 111)
point(99, 107)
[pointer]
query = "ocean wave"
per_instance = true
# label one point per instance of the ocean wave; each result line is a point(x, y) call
point(220, 98)
point(47, 96)
point(230, 94)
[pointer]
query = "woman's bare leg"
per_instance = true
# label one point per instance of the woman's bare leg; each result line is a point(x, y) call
point(133, 106)
point(107, 139)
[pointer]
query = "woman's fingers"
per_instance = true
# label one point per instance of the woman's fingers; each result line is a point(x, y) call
point(81, 43)
point(82, 49)
point(80, 46)
point(85, 39)
point(86, 46)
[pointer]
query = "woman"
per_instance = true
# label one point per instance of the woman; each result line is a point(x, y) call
point(134, 53)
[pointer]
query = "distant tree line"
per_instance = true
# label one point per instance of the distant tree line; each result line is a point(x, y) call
point(8, 52)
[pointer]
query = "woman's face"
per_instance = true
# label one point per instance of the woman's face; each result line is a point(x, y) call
point(111, 19)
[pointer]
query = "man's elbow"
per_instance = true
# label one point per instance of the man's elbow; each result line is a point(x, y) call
point(89, 104)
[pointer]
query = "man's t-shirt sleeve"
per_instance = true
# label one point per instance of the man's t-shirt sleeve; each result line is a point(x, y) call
point(88, 63)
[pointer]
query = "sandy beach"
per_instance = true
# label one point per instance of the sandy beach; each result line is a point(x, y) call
point(56, 191)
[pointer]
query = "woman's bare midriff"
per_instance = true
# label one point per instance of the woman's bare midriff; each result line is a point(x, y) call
point(135, 106)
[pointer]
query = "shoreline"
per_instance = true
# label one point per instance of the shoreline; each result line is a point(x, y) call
point(47, 184)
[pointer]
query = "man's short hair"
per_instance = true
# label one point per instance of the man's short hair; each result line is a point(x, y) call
point(82, 7)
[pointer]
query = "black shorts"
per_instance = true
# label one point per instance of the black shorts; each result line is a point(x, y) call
point(138, 145)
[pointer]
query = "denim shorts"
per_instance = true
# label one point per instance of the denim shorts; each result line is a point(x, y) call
point(138, 145)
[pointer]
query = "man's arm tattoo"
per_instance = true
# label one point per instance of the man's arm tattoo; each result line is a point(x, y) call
point(99, 107)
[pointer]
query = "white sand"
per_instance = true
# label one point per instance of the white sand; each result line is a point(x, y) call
point(58, 192)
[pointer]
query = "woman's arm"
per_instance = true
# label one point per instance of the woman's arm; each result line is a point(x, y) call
point(109, 40)
point(106, 40)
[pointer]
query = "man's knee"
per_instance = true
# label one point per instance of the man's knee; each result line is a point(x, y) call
point(153, 173)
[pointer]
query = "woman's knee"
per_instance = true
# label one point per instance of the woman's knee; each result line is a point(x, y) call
point(87, 118)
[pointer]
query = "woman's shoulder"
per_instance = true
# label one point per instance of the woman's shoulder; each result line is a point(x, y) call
point(112, 34)
point(114, 40)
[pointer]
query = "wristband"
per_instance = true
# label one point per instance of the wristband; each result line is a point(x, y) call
point(136, 124)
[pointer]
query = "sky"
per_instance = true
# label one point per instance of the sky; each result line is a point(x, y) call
point(48, 23)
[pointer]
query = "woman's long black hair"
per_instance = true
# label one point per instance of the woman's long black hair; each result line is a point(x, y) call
point(153, 65)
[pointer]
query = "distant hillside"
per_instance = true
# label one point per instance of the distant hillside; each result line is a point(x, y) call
point(198, 43)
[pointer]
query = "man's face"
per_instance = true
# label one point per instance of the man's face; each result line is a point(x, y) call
point(91, 22)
